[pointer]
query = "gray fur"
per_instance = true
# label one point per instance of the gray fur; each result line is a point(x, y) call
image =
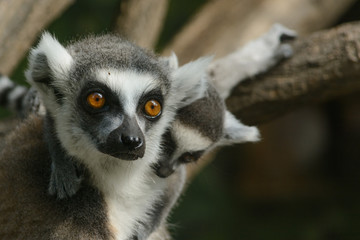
point(205, 115)
point(112, 51)
point(31, 103)
point(27, 211)
point(65, 176)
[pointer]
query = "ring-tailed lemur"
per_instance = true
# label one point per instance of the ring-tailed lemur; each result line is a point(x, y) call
point(197, 129)
point(107, 103)
point(206, 123)
point(190, 136)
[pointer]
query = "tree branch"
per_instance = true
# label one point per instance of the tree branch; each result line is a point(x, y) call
point(222, 26)
point(141, 21)
point(325, 65)
point(20, 23)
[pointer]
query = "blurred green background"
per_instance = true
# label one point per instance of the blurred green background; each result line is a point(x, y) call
point(245, 194)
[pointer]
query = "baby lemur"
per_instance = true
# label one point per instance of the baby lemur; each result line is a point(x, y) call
point(206, 123)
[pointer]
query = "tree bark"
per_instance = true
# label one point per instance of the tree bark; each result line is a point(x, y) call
point(224, 25)
point(20, 23)
point(325, 65)
point(141, 21)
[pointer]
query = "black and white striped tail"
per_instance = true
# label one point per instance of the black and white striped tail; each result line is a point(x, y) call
point(18, 99)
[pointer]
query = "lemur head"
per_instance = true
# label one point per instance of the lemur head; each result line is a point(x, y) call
point(199, 128)
point(108, 97)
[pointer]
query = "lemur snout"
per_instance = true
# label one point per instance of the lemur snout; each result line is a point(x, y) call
point(127, 142)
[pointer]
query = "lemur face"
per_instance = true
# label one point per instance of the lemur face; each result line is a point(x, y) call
point(109, 97)
point(181, 145)
point(198, 128)
point(118, 109)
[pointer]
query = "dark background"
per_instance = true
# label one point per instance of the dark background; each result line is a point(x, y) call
point(302, 181)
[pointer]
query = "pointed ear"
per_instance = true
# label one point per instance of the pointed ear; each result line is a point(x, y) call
point(48, 62)
point(49, 67)
point(189, 81)
point(171, 62)
point(236, 132)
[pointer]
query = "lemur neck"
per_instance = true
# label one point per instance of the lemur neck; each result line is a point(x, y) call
point(122, 178)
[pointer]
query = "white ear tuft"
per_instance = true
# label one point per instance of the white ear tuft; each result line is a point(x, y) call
point(190, 81)
point(236, 132)
point(49, 55)
point(49, 67)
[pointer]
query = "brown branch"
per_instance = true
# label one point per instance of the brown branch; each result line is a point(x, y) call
point(20, 23)
point(224, 25)
point(141, 21)
point(325, 65)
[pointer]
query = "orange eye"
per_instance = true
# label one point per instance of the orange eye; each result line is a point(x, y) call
point(96, 100)
point(152, 108)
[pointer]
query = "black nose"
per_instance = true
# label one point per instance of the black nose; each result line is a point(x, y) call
point(131, 142)
point(127, 142)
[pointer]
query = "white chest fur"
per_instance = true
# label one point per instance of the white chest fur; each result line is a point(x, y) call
point(130, 191)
